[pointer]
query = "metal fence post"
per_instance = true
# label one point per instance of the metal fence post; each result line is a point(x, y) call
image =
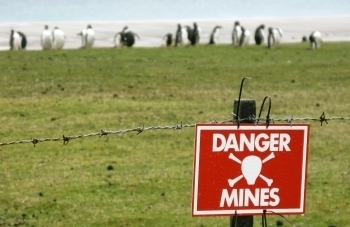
point(247, 110)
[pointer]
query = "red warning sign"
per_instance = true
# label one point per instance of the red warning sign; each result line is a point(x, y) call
point(249, 169)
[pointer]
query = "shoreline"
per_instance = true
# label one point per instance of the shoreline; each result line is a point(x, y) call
point(335, 28)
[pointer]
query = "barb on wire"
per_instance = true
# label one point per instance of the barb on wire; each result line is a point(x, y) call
point(239, 101)
point(268, 119)
point(35, 141)
point(323, 118)
point(139, 129)
point(103, 133)
point(65, 140)
point(181, 126)
point(289, 120)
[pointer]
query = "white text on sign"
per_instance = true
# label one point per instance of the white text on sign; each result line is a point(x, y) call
point(241, 197)
point(260, 142)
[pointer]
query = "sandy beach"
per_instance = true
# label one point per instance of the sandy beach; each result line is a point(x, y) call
point(152, 32)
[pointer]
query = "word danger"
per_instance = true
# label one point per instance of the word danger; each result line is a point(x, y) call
point(243, 197)
point(260, 142)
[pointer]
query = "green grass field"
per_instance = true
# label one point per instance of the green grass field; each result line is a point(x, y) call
point(72, 92)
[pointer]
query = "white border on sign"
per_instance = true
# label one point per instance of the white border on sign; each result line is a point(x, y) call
point(248, 127)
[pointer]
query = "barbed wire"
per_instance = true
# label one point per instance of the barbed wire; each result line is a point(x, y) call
point(180, 126)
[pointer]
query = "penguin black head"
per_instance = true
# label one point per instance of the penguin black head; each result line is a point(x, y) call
point(46, 27)
point(270, 30)
point(89, 26)
point(262, 26)
point(304, 39)
point(236, 22)
point(195, 25)
point(243, 29)
point(55, 27)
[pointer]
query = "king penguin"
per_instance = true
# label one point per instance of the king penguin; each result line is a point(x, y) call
point(23, 40)
point(178, 35)
point(315, 40)
point(46, 39)
point(58, 39)
point(90, 37)
point(275, 37)
point(214, 36)
point(245, 37)
point(259, 35)
point(236, 33)
point(15, 41)
point(195, 34)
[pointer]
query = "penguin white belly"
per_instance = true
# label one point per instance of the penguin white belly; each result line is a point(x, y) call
point(246, 37)
point(317, 40)
point(89, 38)
point(46, 40)
point(118, 40)
point(237, 33)
point(216, 36)
point(184, 36)
point(17, 41)
point(59, 39)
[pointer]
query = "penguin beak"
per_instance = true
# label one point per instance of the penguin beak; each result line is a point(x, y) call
point(80, 33)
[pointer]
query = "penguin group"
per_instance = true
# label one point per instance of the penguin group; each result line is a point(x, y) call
point(185, 35)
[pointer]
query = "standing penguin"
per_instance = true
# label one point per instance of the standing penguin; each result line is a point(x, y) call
point(245, 37)
point(259, 35)
point(58, 39)
point(315, 40)
point(274, 37)
point(46, 39)
point(168, 39)
point(23, 40)
point(15, 41)
point(195, 34)
point(181, 35)
point(214, 36)
point(236, 33)
point(90, 37)
point(83, 39)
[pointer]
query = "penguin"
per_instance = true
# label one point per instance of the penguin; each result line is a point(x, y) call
point(274, 38)
point(189, 33)
point(168, 39)
point(83, 39)
point(315, 39)
point(90, 37)
point(23, 40)
point(215, 35)
point(58, 39)
point(195, 34)
point(15, 41)
point(125, 38)
point(46, 38)
point(179, 35)
point(259, 35)
point(236, 33)
point(245, 37)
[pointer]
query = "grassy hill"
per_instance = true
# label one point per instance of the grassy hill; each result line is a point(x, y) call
point(146, 179)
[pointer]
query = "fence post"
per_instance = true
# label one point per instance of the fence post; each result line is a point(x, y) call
point(247, 110)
